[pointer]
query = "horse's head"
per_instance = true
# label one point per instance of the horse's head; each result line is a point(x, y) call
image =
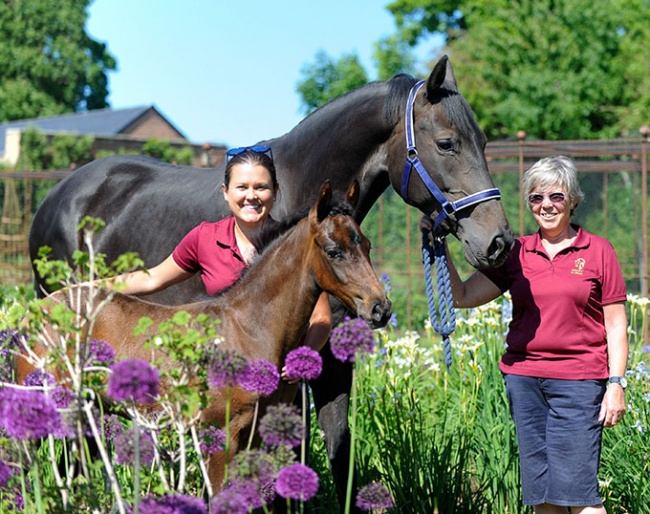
point(450, 146)
point(342, 264)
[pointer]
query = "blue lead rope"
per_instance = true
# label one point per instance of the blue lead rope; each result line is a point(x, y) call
point(443, 318)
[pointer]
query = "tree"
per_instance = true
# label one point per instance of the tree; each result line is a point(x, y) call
point(559, 69)
point(48, 63)
point(326, 79)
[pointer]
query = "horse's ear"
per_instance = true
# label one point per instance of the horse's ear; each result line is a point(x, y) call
point(442, 74)
point(352, 196)
point(324, 202)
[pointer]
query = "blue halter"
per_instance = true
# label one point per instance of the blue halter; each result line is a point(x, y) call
point(443, 320)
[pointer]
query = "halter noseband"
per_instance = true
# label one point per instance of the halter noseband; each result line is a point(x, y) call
point(447, 208)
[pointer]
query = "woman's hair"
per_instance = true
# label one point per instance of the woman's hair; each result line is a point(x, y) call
point(253, 158)
point(554, 171)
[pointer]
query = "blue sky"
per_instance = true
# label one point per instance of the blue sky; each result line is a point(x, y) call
point(225, 71)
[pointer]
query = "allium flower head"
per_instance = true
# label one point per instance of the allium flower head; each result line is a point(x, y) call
point(9, 341)
point(303, 363)
point(260, 377)
point(29, 414)
point(298, 482)
point(39, 378)
point(172, 504)
point(125, 446)
point(226, 369)
point(255, 469)
point(5, 474)
point(213, 440)
point(229, 501)
point(112, 427)
point(281, 425)
point(374, 496)
point(352, 336)
point(133, 380)
point(100, 352)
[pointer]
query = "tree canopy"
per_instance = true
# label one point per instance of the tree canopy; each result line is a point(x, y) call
point(48, 63)
point(558, 69)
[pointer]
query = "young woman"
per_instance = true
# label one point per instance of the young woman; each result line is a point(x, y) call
point(220, 251)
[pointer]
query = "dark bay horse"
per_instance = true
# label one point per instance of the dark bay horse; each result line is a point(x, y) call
point(149, 206)
point(266, 312)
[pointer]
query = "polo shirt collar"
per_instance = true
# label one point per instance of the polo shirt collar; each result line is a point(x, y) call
point(534, 243)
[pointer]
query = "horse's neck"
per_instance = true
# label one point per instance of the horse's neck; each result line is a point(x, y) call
point(343, 140)
point(269, 309)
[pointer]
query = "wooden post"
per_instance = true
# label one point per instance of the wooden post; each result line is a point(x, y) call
point(521, 135)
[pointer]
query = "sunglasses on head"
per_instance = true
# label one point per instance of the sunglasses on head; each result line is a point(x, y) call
point(538, 198)
point(261, 149)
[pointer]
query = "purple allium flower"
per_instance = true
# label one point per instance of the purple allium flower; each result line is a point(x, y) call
point(133, 380)
point(260, 377)
point(100, 352)
point(281, 425)
point(374, 496)
point(112, 427)
point(226, 368)
point(9, 341)
point(125, 447)
point(298, 482)
point(39, 378)
point(62, 397)
point(303, 363)
point(5, 474)
point(213, 440)
point(229, 501)
point(172, 504)
point(352, 336)
point(29, 414)
point(255, 470)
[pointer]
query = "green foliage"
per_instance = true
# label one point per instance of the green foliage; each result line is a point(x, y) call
point(48, 63)
point(327, 78)
point(164, 151)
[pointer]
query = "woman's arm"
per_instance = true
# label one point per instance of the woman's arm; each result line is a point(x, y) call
point(320, 324)
point(155, 279)
point(613, 407)
point(476, 290)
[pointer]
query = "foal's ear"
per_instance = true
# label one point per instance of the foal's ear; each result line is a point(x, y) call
point(442, 75)
point(352, 196)
point(324, 201)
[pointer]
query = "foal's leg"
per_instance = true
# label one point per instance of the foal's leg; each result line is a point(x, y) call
point(331, 392)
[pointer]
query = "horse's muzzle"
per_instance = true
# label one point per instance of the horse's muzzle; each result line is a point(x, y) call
point(380, 313)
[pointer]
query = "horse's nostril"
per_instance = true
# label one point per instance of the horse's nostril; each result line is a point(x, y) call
point(499, 249)
point(381, 311)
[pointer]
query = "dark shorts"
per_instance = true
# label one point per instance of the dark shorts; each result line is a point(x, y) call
point(559, 438)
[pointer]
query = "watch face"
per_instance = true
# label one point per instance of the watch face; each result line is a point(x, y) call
point(618, 380)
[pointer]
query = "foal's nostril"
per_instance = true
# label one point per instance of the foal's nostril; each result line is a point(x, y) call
point(381, 311)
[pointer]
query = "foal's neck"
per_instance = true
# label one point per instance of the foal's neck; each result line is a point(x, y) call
point(270, 308)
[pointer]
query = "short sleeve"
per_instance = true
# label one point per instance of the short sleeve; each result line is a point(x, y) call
point(186, 252)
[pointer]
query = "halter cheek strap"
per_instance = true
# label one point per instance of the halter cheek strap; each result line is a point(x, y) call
point(442, 315)
point(447, 208)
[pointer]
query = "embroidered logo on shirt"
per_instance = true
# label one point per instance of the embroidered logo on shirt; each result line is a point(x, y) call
point(579, 266)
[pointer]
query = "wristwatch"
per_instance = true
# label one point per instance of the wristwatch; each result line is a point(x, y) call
point(618, 380)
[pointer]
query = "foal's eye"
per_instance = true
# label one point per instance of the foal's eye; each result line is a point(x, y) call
point(445, 145)
point(333, 253)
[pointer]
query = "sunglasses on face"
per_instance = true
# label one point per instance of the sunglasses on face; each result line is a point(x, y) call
point(261, 149)
point(537, 198)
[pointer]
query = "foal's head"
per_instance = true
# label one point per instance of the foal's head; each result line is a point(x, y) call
point(341, 263)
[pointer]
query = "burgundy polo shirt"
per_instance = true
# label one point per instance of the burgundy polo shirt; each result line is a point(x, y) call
point(557, 328)
point(211, 248)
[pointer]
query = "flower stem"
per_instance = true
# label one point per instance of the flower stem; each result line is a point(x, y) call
point(353, 423)
point(303, 444)
point(227, 445)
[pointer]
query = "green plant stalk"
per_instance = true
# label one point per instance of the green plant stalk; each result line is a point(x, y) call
point(136, 469)
point(227, 445)
point(353, 426)
point(303, 444)
point(37, 487)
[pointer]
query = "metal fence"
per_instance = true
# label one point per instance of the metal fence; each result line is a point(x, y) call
point(613, 174)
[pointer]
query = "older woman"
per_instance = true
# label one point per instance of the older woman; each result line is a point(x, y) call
point(564, 365)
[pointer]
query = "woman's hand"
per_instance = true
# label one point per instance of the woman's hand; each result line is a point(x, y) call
point(612, 409)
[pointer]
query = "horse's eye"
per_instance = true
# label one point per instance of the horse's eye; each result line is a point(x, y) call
point(445, 145)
